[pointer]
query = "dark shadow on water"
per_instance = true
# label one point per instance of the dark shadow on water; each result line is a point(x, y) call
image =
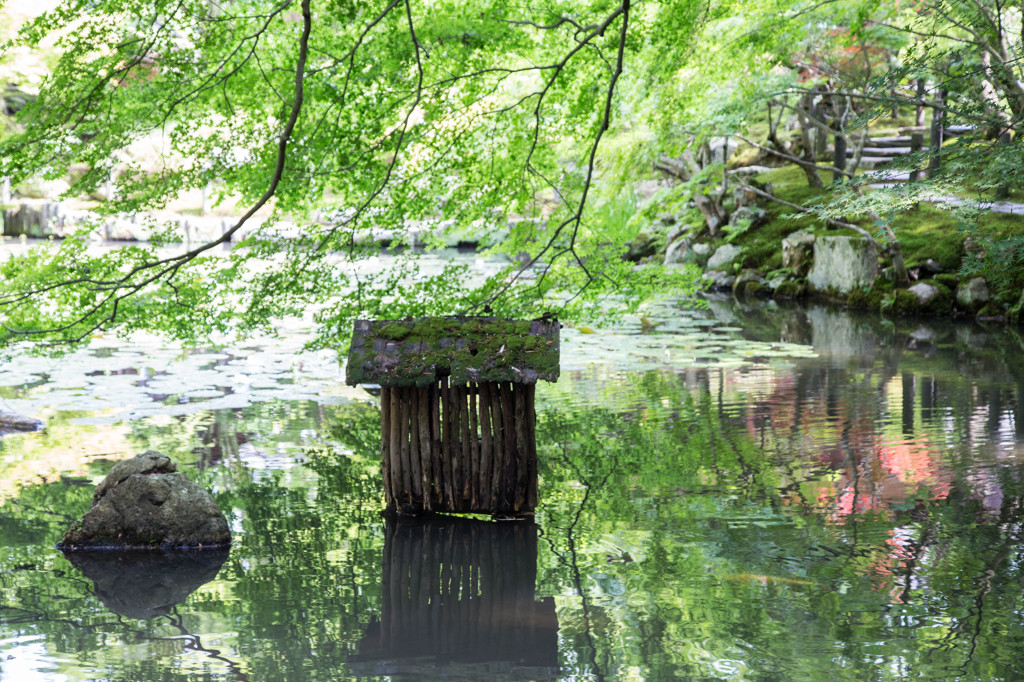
point(458, 601)
point(143, 585)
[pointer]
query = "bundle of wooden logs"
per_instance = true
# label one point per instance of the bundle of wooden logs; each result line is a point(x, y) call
point(460, 448)
point(457, 409)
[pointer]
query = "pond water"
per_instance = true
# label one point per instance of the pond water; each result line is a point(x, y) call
point(742, 492)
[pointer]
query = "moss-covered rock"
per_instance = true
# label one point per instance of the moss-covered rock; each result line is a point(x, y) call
point(749, 283)
point(972, 295)
point(900, 303)
point(798, 251)
point(933, 298)
point(644, 246)
point(843, 264)
point(790, 289)
point(866, 298)
point(468, 349)
point(144, 504)
point(924, 298)
point(750, 289)
point(994, 311)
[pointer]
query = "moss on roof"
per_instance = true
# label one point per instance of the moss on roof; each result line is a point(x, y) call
point(468, 349)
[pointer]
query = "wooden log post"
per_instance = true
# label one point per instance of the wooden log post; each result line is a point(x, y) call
point(935, 139)
point(916, 142)
point(385, 442)
point(406, 495)
point(486, 447)
point(506, 504)
point(447, 477)
point(474, 447)
point(455, 453)
point(466, 449)
point(437, 481)
point(498, 458)
point(531, 442)
point(395, 447)
point(522, 465)
point(423, 441)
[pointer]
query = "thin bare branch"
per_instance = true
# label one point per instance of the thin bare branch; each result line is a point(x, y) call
point(793, 159)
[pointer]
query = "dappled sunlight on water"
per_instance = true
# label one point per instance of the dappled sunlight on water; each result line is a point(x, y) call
point(734, 493)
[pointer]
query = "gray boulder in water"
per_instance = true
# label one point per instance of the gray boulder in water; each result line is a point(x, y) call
point(10, 420)
point(144, 503)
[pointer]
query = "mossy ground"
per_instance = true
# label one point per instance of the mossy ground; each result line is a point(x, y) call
point(762, 245)
point(925, 232)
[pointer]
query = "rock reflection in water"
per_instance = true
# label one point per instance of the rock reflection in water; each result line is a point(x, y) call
point(458, 599)
point(143, 585)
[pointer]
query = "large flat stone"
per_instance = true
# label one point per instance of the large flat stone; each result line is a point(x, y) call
point(842, 264)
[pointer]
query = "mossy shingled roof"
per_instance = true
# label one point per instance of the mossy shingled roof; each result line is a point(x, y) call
point(468, 349)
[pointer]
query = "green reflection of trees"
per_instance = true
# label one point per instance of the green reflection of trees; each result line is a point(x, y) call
point(672, 540)
point(300, 585)
point(211, 437)
point(673, 554)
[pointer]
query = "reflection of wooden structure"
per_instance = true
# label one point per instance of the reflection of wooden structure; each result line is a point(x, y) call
point(457, 413)
point(458, 602)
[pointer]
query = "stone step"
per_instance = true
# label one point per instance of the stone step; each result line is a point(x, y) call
point(958, 130)
point(887, 176)
point(884, 151)
point(890, 141)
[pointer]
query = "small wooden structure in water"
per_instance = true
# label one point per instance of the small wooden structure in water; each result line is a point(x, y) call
point(457, 412)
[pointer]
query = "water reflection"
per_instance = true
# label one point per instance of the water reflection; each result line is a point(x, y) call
point(852, 511)
point(458, 599)
point(743, 525)
point(145, 585)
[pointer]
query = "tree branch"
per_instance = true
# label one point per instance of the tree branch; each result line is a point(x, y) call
point(121, 288)
point(793, 159)
point(802, 209)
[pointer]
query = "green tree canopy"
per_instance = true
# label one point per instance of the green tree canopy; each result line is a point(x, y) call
point(522, 123)
point(370, 116)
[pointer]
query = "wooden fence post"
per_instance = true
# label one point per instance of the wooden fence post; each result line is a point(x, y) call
point(935, 141)
point(916, 142)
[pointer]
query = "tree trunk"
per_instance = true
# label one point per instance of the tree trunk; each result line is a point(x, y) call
point(713, 213)
point(810, 169)
point(896, 254)
point(818, 112)
point(1003, 191)
point(920, 98)
point(839, 158)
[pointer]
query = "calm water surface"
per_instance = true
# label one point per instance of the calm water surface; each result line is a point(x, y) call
point(739, 493)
